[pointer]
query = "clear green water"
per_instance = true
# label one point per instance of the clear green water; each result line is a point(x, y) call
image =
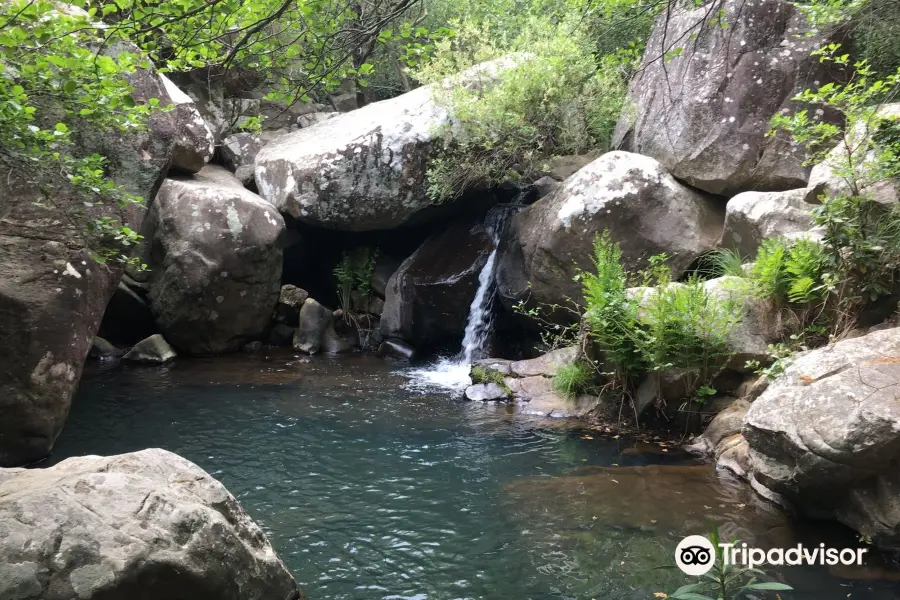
point(370, 491)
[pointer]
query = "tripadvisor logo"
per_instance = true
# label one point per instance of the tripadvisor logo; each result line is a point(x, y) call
point(695, 555)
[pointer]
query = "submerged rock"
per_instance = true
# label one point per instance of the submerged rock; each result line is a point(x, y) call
point(704, 113)
point(153, 350)
point(396, 349)
point(644, 209)
point(147, 525)
point(427, 299)
point(103, 349)
point(215, 262)
point(52, 293)
point(825, 436)
point(363, 170)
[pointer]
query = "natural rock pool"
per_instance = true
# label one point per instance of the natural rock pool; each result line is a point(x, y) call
point(369, 490)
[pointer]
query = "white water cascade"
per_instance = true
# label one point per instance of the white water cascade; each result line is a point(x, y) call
point(453, 373)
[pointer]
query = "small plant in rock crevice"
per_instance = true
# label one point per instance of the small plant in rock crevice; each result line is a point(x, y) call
point(573, 379)
point(354, 279)
point(480, 374)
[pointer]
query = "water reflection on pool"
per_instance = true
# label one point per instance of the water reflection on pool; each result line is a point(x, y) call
point(371, 491)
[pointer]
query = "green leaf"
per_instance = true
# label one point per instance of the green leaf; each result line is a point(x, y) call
point(772, 586)
point(70, 86)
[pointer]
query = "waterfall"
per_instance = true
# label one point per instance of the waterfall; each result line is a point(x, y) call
point(454, 373)
point(478, 325)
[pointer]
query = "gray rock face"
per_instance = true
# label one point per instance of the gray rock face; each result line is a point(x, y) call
point(754, 216)
point(52, 294)
point(486, 392)
point(760, 322)
point(215, 262)
point(825, 436)
point(545, 365)
point(316, 332)
point(363, 170)
point(102, 349)
point(824, 180)
point(195, 144)
point(153, 350)
point(644, 208)
point(238, 151)
point(428, 297)
point(147, 525)
point(704, 114)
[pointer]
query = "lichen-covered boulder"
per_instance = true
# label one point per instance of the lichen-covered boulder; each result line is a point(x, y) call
point(147, 525)
point(752, 217)
point(642, 206)
point(703, 98)
point(238, 151)
point(363, 170)
point(195, 144)
point(52, 293)
point(825, 436)
point(428, 298)
point(215, 256)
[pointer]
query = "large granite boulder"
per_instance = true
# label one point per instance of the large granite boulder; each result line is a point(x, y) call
point(825, 436)
point(427, 299)
point(704, 113)
point(147, 525)
point(195, 144)
point(752, 217)
point(642, 206)
point(215, 257)
point(363, 170)
point(52, 293)
point(238, 151)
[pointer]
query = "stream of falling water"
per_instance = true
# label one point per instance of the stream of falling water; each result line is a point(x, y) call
point(453, 373)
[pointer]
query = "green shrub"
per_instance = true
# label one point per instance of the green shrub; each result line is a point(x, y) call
point(674, 326)
point(573, 379)
point(559, 99)
point(858, 261)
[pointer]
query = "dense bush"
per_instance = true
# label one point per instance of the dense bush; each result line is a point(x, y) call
point(670, 326)
point(559, 99)
point(858, 261)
